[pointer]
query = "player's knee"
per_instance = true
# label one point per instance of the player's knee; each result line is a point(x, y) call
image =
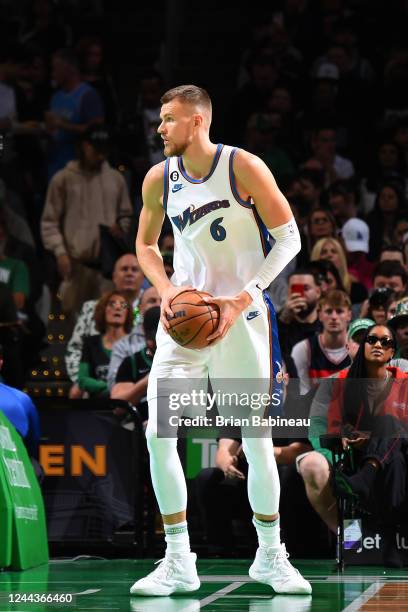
point(258, 449)
point(314, 469)
point(156, 445)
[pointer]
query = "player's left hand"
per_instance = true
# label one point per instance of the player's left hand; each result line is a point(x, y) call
point(230, 309)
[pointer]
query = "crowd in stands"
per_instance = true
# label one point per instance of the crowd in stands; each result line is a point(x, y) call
point(319, 97)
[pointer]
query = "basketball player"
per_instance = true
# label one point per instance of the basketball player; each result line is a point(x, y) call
point(221, 202)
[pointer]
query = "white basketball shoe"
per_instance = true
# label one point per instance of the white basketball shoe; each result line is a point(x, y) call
point(175, 574)
point(271, 566)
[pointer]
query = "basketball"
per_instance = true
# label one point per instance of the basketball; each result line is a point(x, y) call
point(193, 320)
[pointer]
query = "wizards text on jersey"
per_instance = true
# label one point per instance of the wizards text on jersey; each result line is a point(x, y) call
point(190, 215)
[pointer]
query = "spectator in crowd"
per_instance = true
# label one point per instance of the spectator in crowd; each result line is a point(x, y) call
point(21, 412)
point(326, 275)
point(10, 339)
point(389, 204)
point(166, 243)
point(392, 309)
point(16, 249)
point(388, 168)
point(400, 229)
point(392, 275)
point(8, 114)
point(299, 319)
point(320, 224)
point(392, 253)
point(84, 195)
point(310, 188)
point(400, 136)
point(139, 139)
point(20, 270)
point(32, 90)
point(315, 467)
point(405, 250)
point(342, 201)
point(365, 415)
point(281, 101)
point(325, 157)
point(14, 274)
point(324, 353)
point(378, 305)
point(127, 278)
point(7, 94)
point(149, 116)
point(331, 249)
point(252, 97)
point(322, 106)
point(354, 339)
point(222, 496)
point(12, 210)
point(399, 323)
point(262, 140)
point(133, 373)
point(345, 33)
point(113, 318)
point(92, 65)
point(135, 341)
point(355, 234)
point(43, 26)
point(74, 108)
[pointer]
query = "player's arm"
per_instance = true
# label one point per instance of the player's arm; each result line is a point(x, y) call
point(255, 179)
point(150, 225)
point(147, 249)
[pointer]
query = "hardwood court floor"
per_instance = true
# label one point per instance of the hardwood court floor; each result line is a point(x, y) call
point(103, 584)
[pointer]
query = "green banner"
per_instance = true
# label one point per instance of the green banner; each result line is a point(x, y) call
point(200, 454)
point(21, 503)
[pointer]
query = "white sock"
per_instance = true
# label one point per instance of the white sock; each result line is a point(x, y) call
point(268, 533)
point(177, 538)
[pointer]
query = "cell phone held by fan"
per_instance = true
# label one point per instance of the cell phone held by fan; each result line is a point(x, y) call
point(297, 288)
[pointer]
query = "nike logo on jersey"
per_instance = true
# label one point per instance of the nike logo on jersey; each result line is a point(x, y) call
point(252, 315)
point(191, 215)
point(177, 187)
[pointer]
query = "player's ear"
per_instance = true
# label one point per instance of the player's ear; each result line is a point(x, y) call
point(198, 120)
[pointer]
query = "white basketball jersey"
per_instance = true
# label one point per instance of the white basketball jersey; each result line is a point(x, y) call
point(220, 240)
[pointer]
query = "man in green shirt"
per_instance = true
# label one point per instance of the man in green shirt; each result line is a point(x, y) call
point(14, 274)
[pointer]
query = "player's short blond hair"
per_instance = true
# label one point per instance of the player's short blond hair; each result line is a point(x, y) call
point(189, 94)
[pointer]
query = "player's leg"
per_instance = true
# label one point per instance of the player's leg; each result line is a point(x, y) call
point(251, 351)
point(177, 572)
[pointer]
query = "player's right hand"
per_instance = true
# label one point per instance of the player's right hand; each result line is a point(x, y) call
point(167, 296)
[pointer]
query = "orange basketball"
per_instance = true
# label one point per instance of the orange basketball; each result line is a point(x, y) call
point(193, 320)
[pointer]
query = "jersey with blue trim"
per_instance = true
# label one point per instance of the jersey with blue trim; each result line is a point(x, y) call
point(220, 240)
